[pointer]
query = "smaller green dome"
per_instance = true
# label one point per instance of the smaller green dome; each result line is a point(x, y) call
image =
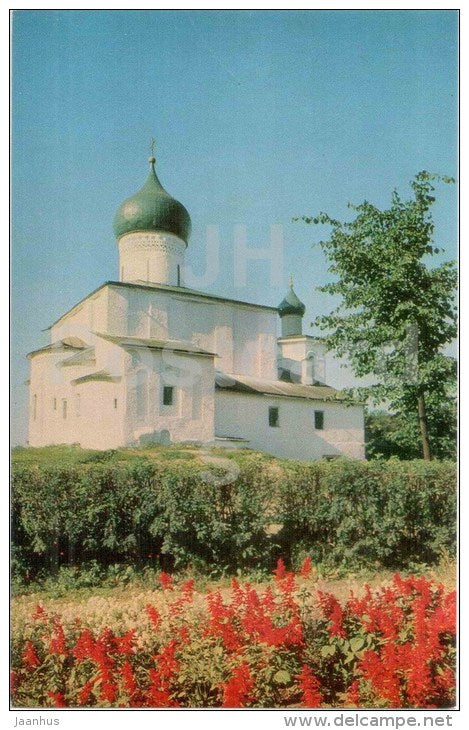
point(291, 304)
point(152, 209)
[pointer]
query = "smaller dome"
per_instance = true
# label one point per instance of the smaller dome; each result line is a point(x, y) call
point(152, 209)
point(291, 304)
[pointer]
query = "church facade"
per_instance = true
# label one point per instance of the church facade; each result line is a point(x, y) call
point(146, 359)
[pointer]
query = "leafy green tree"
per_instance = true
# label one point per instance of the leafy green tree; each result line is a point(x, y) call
point(392, 434)
point(396, 312)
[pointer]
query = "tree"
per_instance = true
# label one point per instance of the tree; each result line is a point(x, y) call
point(396, 312)
point(392, 434)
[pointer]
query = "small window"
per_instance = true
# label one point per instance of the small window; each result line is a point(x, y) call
point(77, 404)
point(115, 402)
point(34, 407)
point(319, 420)
point(64, 409)
point(55, 404)
point(179, 274)
point(168, 395)
point(273, 417)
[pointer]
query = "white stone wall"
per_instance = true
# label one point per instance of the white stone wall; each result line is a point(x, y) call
point(151, 256)
point(243, 336)
point(304, 356)
point(191, 415)
point(99, 423)
point(89, 414)
point(105, 414)
point(247, 416)
point(87, 317)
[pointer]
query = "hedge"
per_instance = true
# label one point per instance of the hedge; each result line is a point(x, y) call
point(344, 513)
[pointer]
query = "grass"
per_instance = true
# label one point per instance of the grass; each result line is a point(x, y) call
point(76, 584)
point(63, 454)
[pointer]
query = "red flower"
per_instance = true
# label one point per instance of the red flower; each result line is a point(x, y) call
point(153, 615)
point(168, 665)
point(166, 581)
point(381, 672)
point(84, 646)
point(128, 679)
point(58, 644)
point(221, 621)
point(183, 633)
point(158, 694)
point(108, 691)
point(29, 656)
point(332, 610)
point(85, 692)
point(310, 685)
point(188, 586)
point(280, 570)
point(125, 642)
point(353, 693)
point(268, 600)
point(306, 568)
point(237, 690)
point(57, 698)
point(39, 613)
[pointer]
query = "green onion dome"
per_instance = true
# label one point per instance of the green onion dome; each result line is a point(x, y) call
point(291, 304)
point(152, 209)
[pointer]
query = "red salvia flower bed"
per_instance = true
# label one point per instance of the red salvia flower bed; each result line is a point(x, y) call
point(285, 645)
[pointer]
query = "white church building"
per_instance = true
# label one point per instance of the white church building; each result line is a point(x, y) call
point(146, 359)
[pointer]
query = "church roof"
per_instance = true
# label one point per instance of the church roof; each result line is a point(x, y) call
point(259, 386)
point(83, 357)
point(181, 290)
point(68, 343)
point(152, 209)
point(190, 292)
point(99, 375)
point(152, 344)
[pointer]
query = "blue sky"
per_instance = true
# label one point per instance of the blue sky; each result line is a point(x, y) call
point(259, 116)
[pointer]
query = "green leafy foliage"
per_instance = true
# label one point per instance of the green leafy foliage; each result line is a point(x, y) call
point(392, 434)
point(396, 313)
point(346, 513)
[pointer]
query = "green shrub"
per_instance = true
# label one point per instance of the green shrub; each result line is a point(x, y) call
point(392, 514)
point(345, 513)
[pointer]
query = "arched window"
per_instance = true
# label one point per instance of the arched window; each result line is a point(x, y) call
point(309, 364)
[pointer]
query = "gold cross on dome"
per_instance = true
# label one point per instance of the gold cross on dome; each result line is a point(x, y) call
point(152, 146)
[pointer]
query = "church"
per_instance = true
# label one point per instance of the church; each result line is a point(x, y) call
point(147, 360)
